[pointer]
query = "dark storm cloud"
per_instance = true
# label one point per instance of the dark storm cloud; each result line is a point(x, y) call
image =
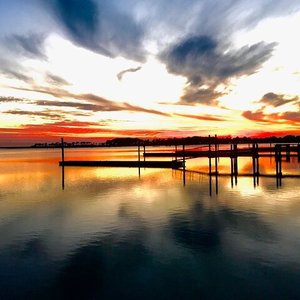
point(100, 26)
point(31, 45)
point(206, 64)
point(276, 100)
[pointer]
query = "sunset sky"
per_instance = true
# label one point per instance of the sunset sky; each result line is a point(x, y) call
point(98, 69)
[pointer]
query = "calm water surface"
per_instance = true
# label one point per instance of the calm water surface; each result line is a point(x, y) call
point(112, 234)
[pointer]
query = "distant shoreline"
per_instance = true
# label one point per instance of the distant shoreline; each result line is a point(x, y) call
point(134, 142)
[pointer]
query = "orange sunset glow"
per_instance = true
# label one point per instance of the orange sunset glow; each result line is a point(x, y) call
point(94, 71)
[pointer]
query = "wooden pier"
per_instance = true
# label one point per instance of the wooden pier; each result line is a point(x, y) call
point(173, 164)
point(163, 164)
point(212, 151)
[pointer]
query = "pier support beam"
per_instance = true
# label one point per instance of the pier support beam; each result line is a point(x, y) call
point(288, 152)
point(255, 164)
point(63, 164)
point(183, 162)
point(278, 161)
point(234, 162)
point(139, 159)
point(209, 156)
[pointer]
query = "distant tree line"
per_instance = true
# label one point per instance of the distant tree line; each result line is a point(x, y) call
point(195, 140)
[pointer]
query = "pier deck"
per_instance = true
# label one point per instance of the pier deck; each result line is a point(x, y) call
point(174, 164)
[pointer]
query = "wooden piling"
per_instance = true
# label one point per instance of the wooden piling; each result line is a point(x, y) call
point(288, 153)
point(183, 161)
point(278, 160)
point(235, 165)
point(216, 156)
point(209, 155)
point(139, 152)
point(298, 152)
point(62, 150)
point(63, 164)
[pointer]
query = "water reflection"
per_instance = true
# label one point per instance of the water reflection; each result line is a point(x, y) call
point(110, 234)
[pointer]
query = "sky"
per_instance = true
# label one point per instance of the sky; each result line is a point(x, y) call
point(98, 69)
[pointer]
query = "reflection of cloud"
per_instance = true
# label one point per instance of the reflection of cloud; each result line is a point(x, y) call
point(201, 229)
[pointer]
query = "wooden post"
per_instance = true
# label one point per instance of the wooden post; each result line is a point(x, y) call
point(209, 155)
point(63, 164)
point(298, 152)
point(216, 156)
point(255, 164)
point(278, 164)
point(144, 151)
point(288, 152)
point(175, 151)
point(235, 162)
point(254, 170)
point(231, 164)
point(183, 155)
point(139, 159)
point(62, 152)
point(139, 153)
point(183, 161)
point(210, 185)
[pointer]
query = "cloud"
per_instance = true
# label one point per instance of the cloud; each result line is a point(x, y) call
point(202, 117)
point(288, 118)
point(4, 99)
point(31, 45)
point(43, 114)
point(122, 73)
point(12, 69)
point(206, 64)
point(276, 100)
point(77, 105)
point(257, 116)
point(91, 101)
point(193, 94)
point(56, 80)
point(100, 26)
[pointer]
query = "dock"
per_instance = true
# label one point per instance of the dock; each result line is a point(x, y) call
point(212, 151)
point(173, 164)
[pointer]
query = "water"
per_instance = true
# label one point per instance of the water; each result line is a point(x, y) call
point(112, 234)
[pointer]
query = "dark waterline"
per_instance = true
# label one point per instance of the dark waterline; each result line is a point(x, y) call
point(111, 234)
